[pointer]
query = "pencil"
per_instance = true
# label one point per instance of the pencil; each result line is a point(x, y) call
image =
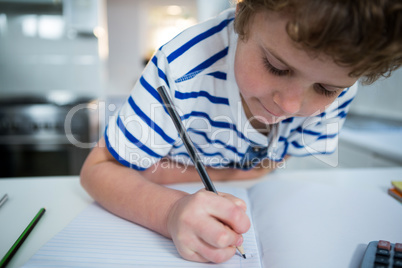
point(21, 239)
point(3, 199)
point(209, 186)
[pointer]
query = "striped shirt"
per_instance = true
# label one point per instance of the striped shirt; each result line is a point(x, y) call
point(197, 68)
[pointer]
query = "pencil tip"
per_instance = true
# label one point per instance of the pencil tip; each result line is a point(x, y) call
point(241, 251)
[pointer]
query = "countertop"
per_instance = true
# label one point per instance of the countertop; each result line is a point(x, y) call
point(64, 199)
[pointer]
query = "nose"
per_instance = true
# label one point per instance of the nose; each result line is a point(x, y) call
point(290, 100)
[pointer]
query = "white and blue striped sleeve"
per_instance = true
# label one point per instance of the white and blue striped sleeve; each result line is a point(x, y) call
point(141, 133)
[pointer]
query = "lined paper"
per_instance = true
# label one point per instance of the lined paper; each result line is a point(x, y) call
point(97, 238)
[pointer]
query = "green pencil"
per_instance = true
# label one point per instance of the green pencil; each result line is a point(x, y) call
point(21, 239)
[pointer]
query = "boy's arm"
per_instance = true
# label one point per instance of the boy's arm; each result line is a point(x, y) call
point(194, 222)
point(116, 188)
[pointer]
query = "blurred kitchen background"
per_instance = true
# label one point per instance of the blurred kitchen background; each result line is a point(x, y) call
point(66, 65)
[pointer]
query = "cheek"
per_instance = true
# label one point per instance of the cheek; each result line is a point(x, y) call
point(249, 73)
point(317, 105)
point(243, 79)
point(252, 81)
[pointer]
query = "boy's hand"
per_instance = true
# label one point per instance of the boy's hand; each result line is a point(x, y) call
point(206, 227)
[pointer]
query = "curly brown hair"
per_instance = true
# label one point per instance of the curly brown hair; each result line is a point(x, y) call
point(365, 35)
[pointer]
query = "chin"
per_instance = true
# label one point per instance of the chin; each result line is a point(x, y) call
point(270, 120)
point(276, 120)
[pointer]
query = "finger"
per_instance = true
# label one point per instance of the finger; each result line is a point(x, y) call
point(239, 202)
point(191, 255)
point(216, 255)
point(219, 210)
point(229, 213)
point(217, 234)
point(200, 251)
point(187, 247)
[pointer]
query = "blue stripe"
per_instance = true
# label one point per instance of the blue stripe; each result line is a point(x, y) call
point(201, 152)
point(207, 63)
point(151, 90)
point(135, 141)
point(322, 137)
point(225, 145)
point(160, 72)
point(149, 122)
point(219, 75)
point(297, 145)
point(209, 154)
point(285, 150)
point(178, 52)
point(325, 137)
point(343, 92)
point(178, 145)
point(288, 120)
point(312, 153)
point(189, 159)
point(342, 114)
point(282, 139)
point(217, 124)
point(346, 103)
point(117, 156)
point(305, 131)
point(195, 94)
point(183, 154)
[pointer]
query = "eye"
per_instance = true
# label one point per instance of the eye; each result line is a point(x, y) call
point(323, 91)
point(273, 70)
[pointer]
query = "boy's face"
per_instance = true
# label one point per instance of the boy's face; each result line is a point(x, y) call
point(278, 80)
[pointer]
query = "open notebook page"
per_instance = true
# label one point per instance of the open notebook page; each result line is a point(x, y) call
point(97, 238)
point(304, 224)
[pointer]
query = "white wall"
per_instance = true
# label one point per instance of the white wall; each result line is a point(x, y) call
point(124, 63)
point(381, 99)
point(31, 64)
point(128, 26)
point(210, 8)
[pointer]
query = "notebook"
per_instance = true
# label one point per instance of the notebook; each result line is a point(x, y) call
point(294, 224)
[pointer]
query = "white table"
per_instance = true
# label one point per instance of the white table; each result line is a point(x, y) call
point(64, 198)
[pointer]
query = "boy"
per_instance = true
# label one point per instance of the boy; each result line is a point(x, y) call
point(271, 79)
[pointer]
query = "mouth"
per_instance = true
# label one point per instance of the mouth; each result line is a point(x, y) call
point(274, 114)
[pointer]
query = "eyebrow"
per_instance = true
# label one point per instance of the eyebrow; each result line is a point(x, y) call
point(292, 68)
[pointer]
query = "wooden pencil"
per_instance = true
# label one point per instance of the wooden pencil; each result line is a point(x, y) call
point(3, 199)
point(209, 186)
point(14, 248)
